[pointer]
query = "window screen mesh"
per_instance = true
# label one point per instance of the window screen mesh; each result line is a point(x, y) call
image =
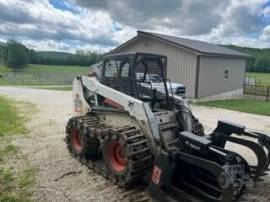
point(149, 77)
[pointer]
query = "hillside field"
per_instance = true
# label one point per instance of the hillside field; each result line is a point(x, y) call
point(35, 74)
point(35, 68)
point(261, 78)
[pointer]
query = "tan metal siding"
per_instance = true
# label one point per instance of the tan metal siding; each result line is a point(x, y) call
point(181, 66)
point(211, 76)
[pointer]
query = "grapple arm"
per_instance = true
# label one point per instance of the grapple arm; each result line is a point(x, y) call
point(259, 143)
point(197, 169)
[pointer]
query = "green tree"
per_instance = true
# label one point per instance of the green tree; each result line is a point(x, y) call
point(17, 55)
point(2, 47)
point(94, 57)
point(262, 63)
point(259, 60)
point(79, 52)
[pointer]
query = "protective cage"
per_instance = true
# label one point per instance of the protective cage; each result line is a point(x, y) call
point(139, 75)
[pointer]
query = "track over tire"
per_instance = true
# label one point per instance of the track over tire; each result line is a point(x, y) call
point(79, 143)
point(115, 156)
point(127, 155)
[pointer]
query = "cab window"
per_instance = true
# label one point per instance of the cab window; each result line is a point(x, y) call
point(111, 69)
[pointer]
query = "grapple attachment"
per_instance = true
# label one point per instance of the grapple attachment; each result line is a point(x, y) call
point(198, 170)
point(259, 143)
point(201, 168)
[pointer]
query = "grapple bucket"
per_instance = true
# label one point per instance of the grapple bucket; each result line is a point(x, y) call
point(259, 143)
point(198, 171)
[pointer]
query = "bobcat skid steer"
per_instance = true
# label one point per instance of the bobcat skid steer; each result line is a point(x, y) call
point(135, 131)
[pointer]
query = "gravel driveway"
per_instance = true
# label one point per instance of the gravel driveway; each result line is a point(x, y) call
point(61, 178)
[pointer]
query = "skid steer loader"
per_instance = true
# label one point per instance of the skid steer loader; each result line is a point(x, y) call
point(134, 131)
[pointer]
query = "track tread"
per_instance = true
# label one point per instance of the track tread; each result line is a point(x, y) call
point(138, 149)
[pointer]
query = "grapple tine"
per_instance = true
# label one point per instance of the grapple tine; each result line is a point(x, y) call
point(223, 133)
point(244, 162)
point(264, 141)
point(256, 148)
point(268, 153)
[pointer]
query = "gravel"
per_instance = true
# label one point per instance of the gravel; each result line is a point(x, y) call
point(62, 178)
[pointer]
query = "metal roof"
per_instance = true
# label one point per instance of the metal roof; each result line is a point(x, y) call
point(200, 47)
point(131, 54)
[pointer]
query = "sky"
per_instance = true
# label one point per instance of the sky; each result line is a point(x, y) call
point(101, 25)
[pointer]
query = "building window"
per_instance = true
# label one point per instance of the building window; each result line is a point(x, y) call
point(226, 74)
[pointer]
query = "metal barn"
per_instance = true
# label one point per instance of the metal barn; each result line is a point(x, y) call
point(207, 70)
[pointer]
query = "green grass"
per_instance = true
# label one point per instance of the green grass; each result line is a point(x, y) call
point(34, 68)
point(10, 121)
point(248, 106)
point(61, 88)
point(261, 78)
point(4, 69)
point(35, 74)
point(16, 183)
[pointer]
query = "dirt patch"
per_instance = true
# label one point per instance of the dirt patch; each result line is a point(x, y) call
point(62, 178)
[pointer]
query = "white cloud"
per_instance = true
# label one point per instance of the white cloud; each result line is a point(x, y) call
point(40, 21)
point(223, 21)
point(182, 16)
point(102, 25)
point(265, 34)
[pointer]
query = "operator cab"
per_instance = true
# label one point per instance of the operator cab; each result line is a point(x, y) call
point(140, 75)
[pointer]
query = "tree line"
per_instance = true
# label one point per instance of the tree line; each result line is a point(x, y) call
point(17, 56)
point(259, 60)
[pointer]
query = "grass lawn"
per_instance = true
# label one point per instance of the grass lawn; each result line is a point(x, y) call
point(62, 88)
point(3, 69)
point(248, 106)
point(16, 184)
point(34, 68)
point(10, 121)
point(35, 74)
point(261, 78)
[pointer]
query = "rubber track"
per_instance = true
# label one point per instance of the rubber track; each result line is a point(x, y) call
point(139, 151)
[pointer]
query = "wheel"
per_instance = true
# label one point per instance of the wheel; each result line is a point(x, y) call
point(116, 158)
point(127, 156)
point(76, 141)
point(79, 143)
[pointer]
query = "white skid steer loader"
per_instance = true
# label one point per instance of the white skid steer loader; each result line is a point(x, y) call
point(132, 131)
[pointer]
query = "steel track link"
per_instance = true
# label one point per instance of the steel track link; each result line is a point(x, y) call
point(139, 152)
